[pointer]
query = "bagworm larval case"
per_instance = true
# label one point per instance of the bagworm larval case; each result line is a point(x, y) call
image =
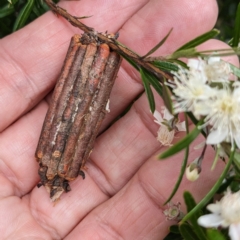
point(76, 112)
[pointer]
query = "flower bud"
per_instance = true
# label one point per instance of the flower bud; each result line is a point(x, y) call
point(192, 172)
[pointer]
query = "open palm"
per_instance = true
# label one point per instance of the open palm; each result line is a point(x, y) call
point(125, 187)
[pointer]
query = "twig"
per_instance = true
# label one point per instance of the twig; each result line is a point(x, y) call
point(111, 41)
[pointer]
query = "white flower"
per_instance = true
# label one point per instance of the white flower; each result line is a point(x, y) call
point(190, 90)
point(168, 127)
point(223, 117)
point(225, 213)
point(191, 87)
point(221, 107)
point(212, 69)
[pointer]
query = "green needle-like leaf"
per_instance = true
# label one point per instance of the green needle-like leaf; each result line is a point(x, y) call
point(183, 168)
point(187, 232)
point(158, 45)
point(12, 2)
point(179, 62)
point(185, 142)
point(23, 15)
point(190, 203)
point(153, 80)
point(200, 39)
point(180, 177)
point(190, 52)
point(166, 96)
point(37, 11)
point(174, 229)
point(148, 91)
point(211, 193)
point(173, 236)
point(165, 66)
point(237, 161)
point(235, 70)
point(236, 32)
point(6, 10)
point(214, 234)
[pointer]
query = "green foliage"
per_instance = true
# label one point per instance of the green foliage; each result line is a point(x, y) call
point(236, 31)
point(150, 79)
point(235, 70)
point(214, 234)
point(15, 14)
point(165, 66)
point(180, 177)
point(191, 204)
point(148, 90)
point(200, 39)
point(226, 18)
point(187, 232)
point(158, 45)
point(23, 15)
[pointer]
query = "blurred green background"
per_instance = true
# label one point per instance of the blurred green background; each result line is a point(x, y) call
point(21, 12)
point(226, 18)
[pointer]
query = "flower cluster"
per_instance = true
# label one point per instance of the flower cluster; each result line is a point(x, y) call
point(225, 213)
point(205, 90)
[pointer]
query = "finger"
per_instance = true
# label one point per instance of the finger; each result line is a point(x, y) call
point(152, 23)
point(17, 163)
point(17, 222)
point(30, 65)
point(136, 211)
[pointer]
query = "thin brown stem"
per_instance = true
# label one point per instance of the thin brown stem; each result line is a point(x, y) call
point(111, 41)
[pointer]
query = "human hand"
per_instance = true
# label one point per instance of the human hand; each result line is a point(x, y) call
point(125, 187)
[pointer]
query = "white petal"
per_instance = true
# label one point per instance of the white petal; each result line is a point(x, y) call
point(158, 117)
point(167, 115)
point(212, 60)
point(210, 220)
point(234, 231)
point(181, 126)
point(214, 207)
point(193, 63)
point(216, 137)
